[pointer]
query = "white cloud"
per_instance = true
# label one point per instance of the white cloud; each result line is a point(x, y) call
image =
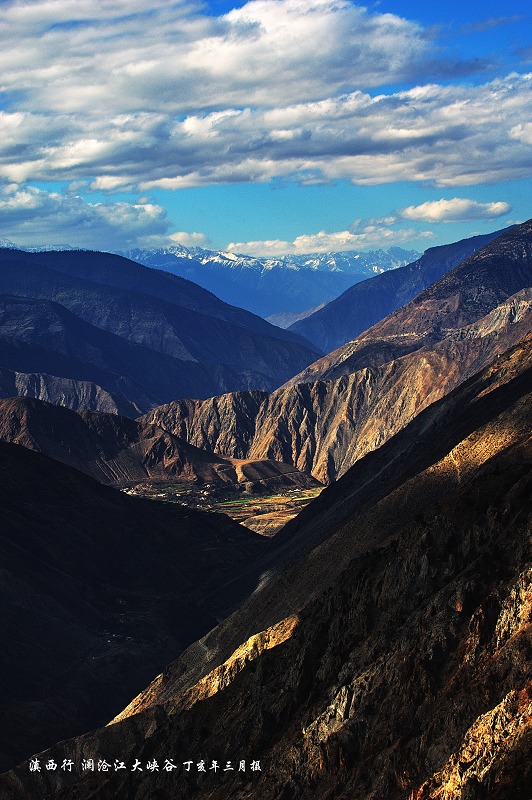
point(140, 55)
point(367, 236)
point(450, 136)
point(190, 239)
point(455, 210)
point(31, 216)
point(131, 95)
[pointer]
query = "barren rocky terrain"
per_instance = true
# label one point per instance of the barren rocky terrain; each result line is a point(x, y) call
point(352, 400)
point(392, 661)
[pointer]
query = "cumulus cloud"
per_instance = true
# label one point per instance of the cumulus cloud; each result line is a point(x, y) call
point(31, 216)
point(131, 95)
point(364, 236)
point(522, 132)
point(455, 210)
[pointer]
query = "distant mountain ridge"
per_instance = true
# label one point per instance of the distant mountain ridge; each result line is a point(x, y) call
point(141, 336)
point(352, 261)
point(268, 286)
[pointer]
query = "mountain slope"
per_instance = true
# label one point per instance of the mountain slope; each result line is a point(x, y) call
point(461, 297)
point(61, 391)
point(119, 451)
point(99, 590)
point(353, 399)
point(268, 286)
point(364, 304)
point(43, 337)
point(215, 346)
point(391, 661)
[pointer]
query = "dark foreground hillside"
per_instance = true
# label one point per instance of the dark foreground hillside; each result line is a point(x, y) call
point(392, 661)
point(99, 590)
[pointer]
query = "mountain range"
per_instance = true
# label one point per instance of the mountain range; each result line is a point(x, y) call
point(273, 286)
point(122, 452)
point(355, 398)
point(377, 647)
point(93, 330)
point(385, 652)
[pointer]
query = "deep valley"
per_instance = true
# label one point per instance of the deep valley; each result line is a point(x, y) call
point(221, 545)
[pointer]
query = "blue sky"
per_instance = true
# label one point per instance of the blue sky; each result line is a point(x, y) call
point(266, 127)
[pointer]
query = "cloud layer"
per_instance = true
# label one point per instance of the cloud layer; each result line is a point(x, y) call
point(28, 216)
point(368, 236)
point(158, 95)
point(146, 55)
point(126, 95)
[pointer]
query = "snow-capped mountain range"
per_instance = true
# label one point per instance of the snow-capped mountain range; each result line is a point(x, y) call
point(285, 288)
point(46, 248)
point(351, 261)
point(271, 286)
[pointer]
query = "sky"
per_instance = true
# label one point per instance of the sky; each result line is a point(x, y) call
point(263, 127)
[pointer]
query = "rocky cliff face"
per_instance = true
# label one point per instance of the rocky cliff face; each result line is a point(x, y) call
point(354, 399)
point(62, 391)
point(390, 661)
point(118, 451)
point(323, 427)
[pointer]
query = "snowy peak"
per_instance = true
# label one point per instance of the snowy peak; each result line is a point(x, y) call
point(6, 244)
point(351, 261)
point(284, 285)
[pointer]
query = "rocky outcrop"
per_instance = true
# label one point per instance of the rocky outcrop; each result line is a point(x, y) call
point(62, 391)
point(119, 451)
point(224, 424)
point(390, 661)
point(364, 304)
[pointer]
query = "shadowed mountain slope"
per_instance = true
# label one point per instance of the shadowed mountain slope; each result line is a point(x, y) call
point(355, 398)
point(99, 590)
point(119, 451)
point(364, 304)
point(199, 346)
point(392, 661)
